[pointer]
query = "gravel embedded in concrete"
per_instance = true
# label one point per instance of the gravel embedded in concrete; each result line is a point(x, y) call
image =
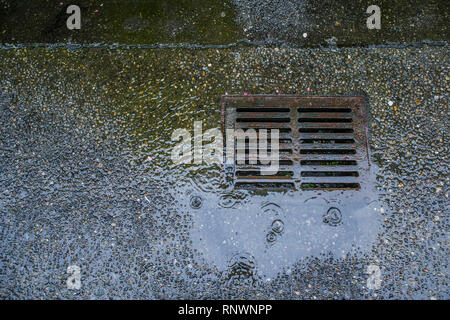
point(86, 178)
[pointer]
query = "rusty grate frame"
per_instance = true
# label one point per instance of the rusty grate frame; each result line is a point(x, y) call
point(324, 139)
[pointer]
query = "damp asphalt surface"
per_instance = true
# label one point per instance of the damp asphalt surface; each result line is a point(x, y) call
point(86, 177)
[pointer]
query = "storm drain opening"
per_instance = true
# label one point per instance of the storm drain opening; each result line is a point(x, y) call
point(322, 140)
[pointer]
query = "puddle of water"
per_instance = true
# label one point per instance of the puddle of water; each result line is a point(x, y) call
point(278, 230)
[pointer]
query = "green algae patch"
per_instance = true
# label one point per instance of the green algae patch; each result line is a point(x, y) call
point(127, 22)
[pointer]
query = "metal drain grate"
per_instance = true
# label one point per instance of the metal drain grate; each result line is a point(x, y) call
point(323, 140)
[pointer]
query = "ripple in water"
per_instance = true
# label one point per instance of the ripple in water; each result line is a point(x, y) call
point(206, 179)
point(232, 199)
point(276, 229)
point(271, 237)
point(278, 226)
point(241, 269)
point(271, 208)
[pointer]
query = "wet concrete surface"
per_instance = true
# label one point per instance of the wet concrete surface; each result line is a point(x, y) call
point(301, 23)
point(86, 177)
point(115, 21)
point(342, 23)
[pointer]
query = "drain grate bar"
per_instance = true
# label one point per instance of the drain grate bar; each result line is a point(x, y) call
point(334, 173)
point(282, 166)
point(326, 140)
point(324, 135)
point(331, 180)
point(324, 115)
point(282, 156)
point(326, 126)
point(327, 156)
point(332, 146)
point(323, 140)
point(330, 186)
point(329, 168)
point(281, 146)
point(262, 125)
point(267, 115)
point(283, 135)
